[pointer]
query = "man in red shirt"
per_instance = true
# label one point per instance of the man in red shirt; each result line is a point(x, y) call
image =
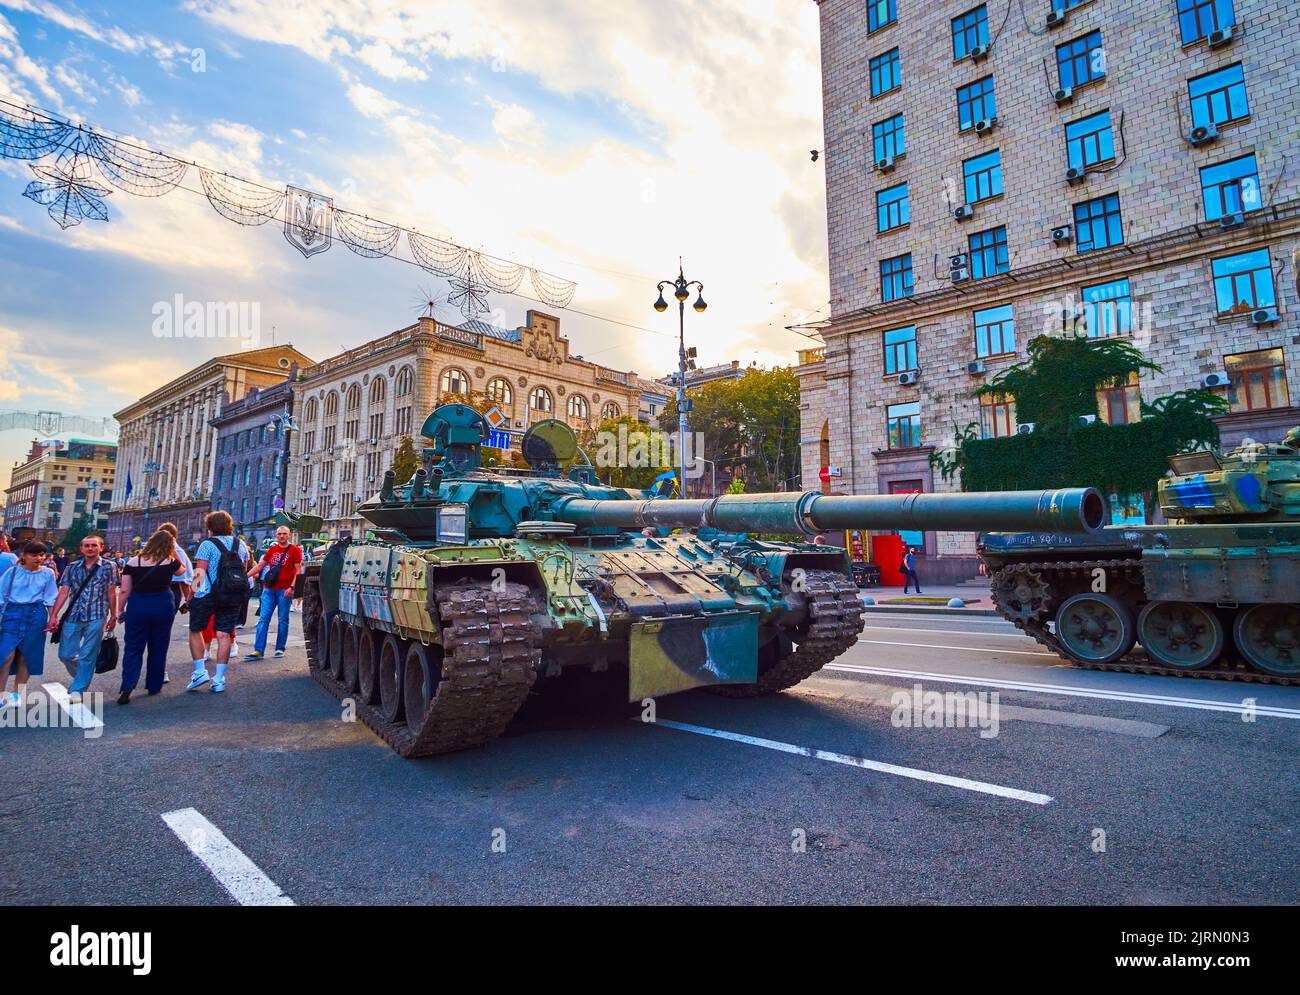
point(277, 569)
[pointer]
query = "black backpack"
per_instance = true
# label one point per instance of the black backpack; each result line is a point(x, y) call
point(230, 583)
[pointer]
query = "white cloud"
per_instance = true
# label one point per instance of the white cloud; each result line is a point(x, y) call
point(380, 57)
point(514, 123)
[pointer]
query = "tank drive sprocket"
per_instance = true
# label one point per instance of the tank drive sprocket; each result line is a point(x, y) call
point(1021, 593)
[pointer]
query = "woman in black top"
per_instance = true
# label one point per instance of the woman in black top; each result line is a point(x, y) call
point(146, 588)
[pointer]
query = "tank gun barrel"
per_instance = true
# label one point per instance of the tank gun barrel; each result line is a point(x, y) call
point(1075, 509)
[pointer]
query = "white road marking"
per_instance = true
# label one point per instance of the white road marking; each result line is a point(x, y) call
point(907, 629)
point(238, 875)
point(81, 716)
point(842, 758)
point(1171, 701)
point(964, 649)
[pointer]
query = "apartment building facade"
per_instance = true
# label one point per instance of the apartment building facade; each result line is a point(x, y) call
point(56, 485)
point(998, 171)
point(252, 445)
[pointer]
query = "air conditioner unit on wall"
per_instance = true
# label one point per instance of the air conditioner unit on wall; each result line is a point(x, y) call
point(984, 125)
point(1263, 316)
point(1232, 220)
point(1063, 95)
point(1061, 235)
point(908, 379)
point(963, 213)
point(886, 164)
point(1076, 174)
point(1025, 428)
point(958, 260)
point(976, 367)
point(1202, 134)
point(979, 52)
point(959, 275)
point(1221, 36)
point(1215, 379)
point(1055, 18)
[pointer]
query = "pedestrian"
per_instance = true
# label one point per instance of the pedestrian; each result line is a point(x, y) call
point(148, 610)
point(819, 539)
point(909, 570)
point(27, 595)
point(220, 592)
point(182, 582)
point(88, 587)
point(277, 570)
point(60, 560)
point(7, 556)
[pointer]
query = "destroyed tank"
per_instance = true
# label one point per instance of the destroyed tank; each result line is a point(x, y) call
point(1214, 592)
point(475, 583)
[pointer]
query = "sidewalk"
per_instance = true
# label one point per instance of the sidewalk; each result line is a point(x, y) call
point(935, 598)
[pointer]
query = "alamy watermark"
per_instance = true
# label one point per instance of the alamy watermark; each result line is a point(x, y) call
point(182, 319)
point(921, 709)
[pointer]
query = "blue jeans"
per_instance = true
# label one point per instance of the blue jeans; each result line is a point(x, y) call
point(273, 601)
point(79, 650)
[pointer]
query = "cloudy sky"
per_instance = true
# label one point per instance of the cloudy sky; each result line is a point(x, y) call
point(594, 141)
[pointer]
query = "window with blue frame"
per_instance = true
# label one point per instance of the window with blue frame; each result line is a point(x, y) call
point(1197, 18)
point(1089, 142)
point(1243, 282)
point(983, 176)
point(1218, 97)
point(887, 138)
point(1107, 309)
point(968, 30)
point(1081, 60)
point(891, 208)
point(995, 331)
point(1230, 187)
point(976, 102)
point(880, 13)
point(903, 422)
point(988, 252)
point(900, 350)
point(1098, 224)
point(885, 74)
point(896, 277)
point(1066, 4)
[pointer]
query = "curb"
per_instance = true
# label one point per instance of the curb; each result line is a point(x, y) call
point(923, 610)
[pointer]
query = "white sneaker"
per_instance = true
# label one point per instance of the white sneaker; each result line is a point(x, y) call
point(218, 685)
point(10, 700)
point(197, 681)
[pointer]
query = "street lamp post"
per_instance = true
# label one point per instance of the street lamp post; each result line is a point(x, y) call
point(681, 290)
point(150, 469)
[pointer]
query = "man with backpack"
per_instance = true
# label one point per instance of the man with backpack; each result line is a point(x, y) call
point(277, 570)
point(220, 595)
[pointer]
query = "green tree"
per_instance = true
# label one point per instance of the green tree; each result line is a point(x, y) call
point(74, 533)
point(643, 444)
point(405, 461)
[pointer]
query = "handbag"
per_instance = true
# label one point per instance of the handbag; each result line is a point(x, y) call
point(107, 659)
point(57, 634)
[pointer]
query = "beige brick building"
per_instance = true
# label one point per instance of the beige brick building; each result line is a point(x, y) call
point(354, 409)
point(950, 129)
point(55, 485)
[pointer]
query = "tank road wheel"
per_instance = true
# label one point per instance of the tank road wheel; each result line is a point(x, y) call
point(338, 635)
point(1268, 636)
point(1095, 628)
point(420, 676)
point(390, 679)
point(348, 661)
point(1180, 634)
point(366, 664)
point(368, 646)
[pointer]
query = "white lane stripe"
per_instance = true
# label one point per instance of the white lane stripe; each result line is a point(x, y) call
point(242, 878)
point(964, 649)
point(81, 716)
point(843, 758)
point(1171, 701)
point(907, 630)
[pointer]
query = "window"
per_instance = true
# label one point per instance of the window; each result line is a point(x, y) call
point(378, 389)
point(887, 138)
point(610, 410)
point(904, 424)
point(1066, 4)
point(351, 429)
point(896, 277)
point(884, 73)
point(330, 432)
point(377, 425)
point(988, 253)
point(308, 442)
point(1119, 402)
point(995, 331)
point(402, 421)
point(578, 406)
point(405, 382)
point(1256, 380)
point(1197, 18)
point(499, 392)
point(983, 176)
point(1243, 282)
point(1218, 97)
point(331, 404)
point(1107, 310)
point(997, 416)
point(891, 208)
point(1080, 61)
point(1230, 187)
point(976, 102)
point(310, 412)
point(1098, 223)
point(354, 398)
point(1089, 141)
point(900, 350)
point(968, 30)
point(455, 381)
point(910, 538)
point(248, 473)
point(259, 471)
point(880, 13)
point(541, 399)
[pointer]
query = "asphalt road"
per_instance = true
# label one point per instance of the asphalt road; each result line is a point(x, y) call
point(581, 802)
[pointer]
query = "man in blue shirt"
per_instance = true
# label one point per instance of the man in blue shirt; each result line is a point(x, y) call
point(211, 603)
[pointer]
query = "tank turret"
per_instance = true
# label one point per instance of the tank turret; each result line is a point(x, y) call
point(1254, 482)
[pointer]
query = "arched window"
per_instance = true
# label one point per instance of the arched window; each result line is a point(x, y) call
point(610, 410)
point(259, 471)
point(405, 379)
point(310, 412)
point(378, 389)
point(499, 392)
point(455, 381)
point(541, 400)
point(248, 473)
point(331, 404)
point(577, 406)
point(354, 397)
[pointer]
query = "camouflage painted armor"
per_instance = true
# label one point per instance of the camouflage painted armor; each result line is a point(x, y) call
point(1215, 592)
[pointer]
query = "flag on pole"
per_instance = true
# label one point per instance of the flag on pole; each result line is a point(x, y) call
point(129, 488)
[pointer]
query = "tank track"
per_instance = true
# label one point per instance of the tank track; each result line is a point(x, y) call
point(835, 621)
point(492, 649)
point(1037, 628)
